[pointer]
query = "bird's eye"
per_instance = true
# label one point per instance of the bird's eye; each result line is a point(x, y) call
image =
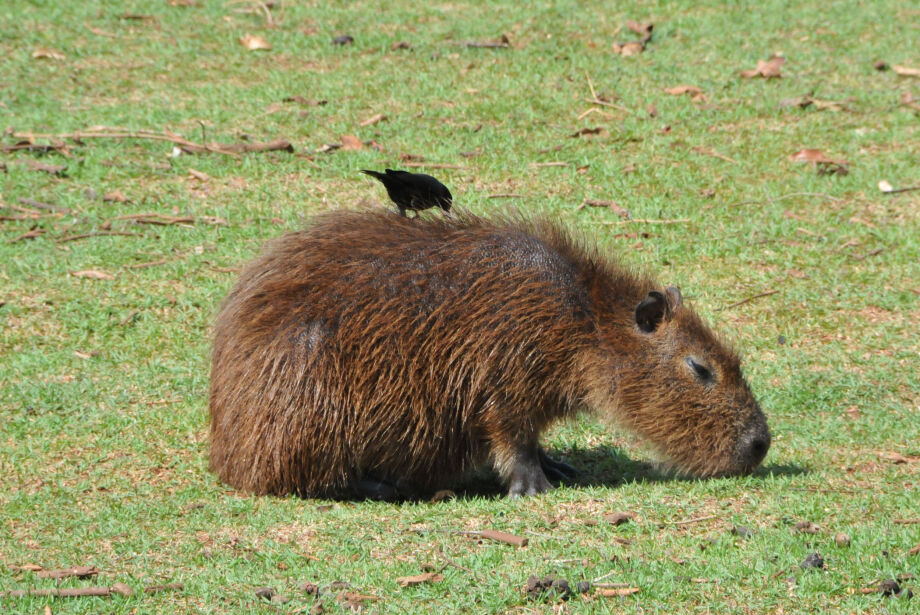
point(701, 371)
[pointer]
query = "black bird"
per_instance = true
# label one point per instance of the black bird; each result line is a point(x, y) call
point(415, 191)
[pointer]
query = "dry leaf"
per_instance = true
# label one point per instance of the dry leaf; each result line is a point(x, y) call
point(199, 175)
point(893, 457)
point(629, 49)
point(815, 156)
point(92, 274)
point(904, 71)
point(253, 42)
point(400, 45)
point(692, 90)
point(611, 592)
point(642, 29)
point(351, 142)
point(908, 100)
point(425, 577)
point(619, 518)
point(588, 132)
point(43, 53)
point(114, 197)
point(373, 120)
point(769, 69)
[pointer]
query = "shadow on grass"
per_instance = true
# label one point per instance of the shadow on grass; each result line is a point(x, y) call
point(604, 466)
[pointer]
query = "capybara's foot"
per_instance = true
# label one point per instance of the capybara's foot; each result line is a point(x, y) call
point(555, 469)
point(527, 477)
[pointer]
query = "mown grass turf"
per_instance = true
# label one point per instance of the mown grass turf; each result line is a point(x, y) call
point(103, 383)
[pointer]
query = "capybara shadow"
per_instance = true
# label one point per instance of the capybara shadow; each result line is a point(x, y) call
point(378, 356)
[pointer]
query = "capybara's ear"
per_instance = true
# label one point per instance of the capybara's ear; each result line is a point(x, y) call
point(675, 299)
point(651, 311)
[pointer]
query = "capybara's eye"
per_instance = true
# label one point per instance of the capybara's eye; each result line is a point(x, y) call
point(701, 371)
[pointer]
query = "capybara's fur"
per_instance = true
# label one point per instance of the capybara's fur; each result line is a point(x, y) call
point(408, 351)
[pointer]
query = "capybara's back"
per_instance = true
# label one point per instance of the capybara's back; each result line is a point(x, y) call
point(372, 351)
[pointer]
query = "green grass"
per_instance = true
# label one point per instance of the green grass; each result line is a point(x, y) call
point(103, 383)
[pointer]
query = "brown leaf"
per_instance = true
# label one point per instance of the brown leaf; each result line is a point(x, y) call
point(254, 42)
point(425, 577)
point(679, 90)
point(373, 120)
point(400, 45)
point(895, 458)
point(351, 142)
point(199, 175)
point(642, 29)
point(612, 205)
point(43, 53)
point(768, 69)
point(814, 156)
point(908, 100)
point(629, 49)
point(114, 197)
point(355, 600)
point(612, 592)
point(905, 71)
point(588, 131)
point(619, 518)
point(92, 274)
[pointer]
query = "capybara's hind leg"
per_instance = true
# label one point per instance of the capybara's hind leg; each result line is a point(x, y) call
point(555, 469)
point(374, 488)
point(524, 473)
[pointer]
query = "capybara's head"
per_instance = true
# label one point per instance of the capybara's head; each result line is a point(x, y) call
point(683, 390)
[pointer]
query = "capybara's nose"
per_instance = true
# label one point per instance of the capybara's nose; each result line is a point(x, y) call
point(753, 447)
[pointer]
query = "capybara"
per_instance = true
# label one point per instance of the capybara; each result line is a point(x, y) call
point(377, 355)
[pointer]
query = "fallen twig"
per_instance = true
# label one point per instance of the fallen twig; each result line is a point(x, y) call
point(907, 521)
point(897, 190)
point(45, 206)
point(507, 195)
point(693, 520)
point(71, 592)
point(597, 101)
point(786, 196)
point(416, 165)
point(504, 537)
point(97, 234)
point(147, 264)
point(230, 149)
point(81, 572)
point(549, 164)
point(743, 301)
point(647, 221)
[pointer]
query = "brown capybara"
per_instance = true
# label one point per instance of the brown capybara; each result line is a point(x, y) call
point(374, 355)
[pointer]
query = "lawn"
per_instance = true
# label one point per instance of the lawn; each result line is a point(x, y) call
point(115, 253)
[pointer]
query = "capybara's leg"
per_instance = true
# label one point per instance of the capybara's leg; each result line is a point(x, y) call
point(523, 472)
point(555, 469)
point(375, 489)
